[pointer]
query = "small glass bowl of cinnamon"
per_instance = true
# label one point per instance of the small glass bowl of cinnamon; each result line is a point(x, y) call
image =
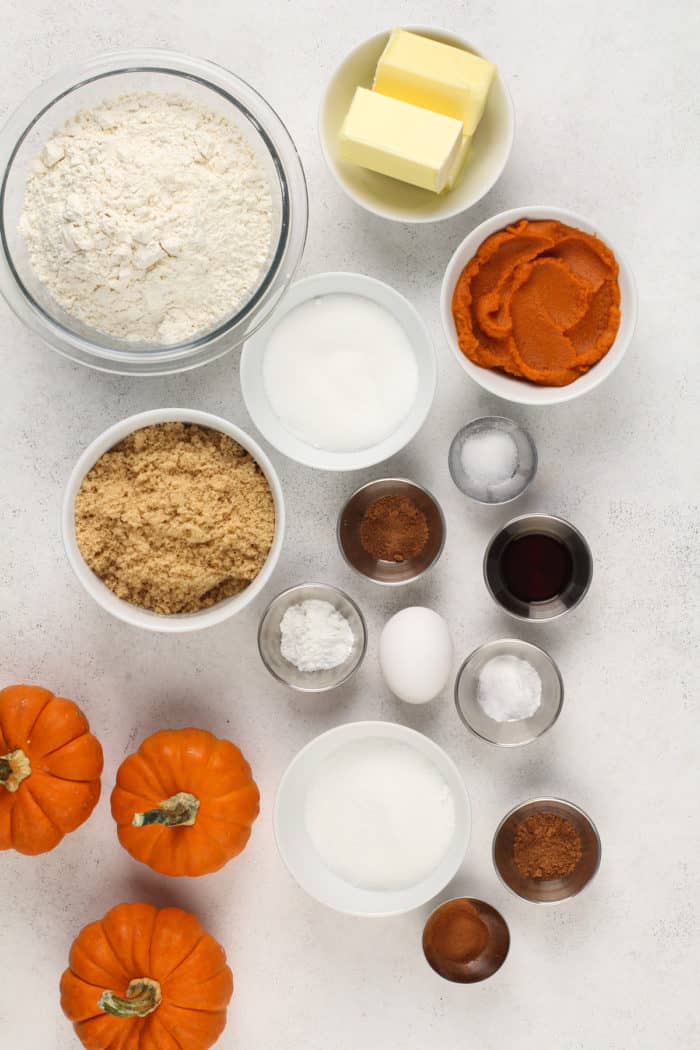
point(546, 850)
point(391, 530)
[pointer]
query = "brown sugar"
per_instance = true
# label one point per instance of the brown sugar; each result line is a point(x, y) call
point(394, 528)
point(175, 518)
point(546, 847)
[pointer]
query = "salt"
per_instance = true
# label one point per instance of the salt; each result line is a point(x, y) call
point(489, 457)
point(379, 814)
point(314, 636)
point(510, 689)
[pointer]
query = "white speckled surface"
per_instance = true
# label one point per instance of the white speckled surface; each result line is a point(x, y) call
point(606, 104)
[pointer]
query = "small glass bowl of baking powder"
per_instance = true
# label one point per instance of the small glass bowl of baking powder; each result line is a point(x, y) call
point(315, 646)
point(202, 85)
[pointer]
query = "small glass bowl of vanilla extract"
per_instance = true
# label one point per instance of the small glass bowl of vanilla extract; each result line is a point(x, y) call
point(538, 567)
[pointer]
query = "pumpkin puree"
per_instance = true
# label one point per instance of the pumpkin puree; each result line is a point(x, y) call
point(539, 300)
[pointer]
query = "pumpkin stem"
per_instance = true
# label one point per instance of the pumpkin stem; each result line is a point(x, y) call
point(142, 997)
point(14, 768)
point(180, 811)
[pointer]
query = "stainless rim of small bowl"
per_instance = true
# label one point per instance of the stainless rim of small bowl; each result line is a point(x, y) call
point(528, 645)
point(535, 461)
point(568, 526)
point(506, 927)
point(297, 687)
point(562, 802)
point(443, 527)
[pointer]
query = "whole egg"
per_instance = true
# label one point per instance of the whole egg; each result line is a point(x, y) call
point(415, 654)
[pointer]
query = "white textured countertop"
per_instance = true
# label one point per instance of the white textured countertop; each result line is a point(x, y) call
point(606, 107)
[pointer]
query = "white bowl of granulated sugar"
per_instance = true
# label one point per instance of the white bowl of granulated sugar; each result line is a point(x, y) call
point(372, 819)
point(343, 376)
point(136, 574)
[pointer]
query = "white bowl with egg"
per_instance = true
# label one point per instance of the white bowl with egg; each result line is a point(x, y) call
point(389, 198)
point(510, 388)
point(419, 357)
point(300, 854)
point(133, 614)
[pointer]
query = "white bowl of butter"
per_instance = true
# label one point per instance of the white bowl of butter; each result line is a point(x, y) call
point(389, 197)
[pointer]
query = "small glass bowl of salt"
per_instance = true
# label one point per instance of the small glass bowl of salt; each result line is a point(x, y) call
point(509, 692)
point(312, 637)
point(492, 459)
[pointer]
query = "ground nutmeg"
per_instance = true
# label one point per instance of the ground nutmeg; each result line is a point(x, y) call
point(394, 528)
point(546, 846)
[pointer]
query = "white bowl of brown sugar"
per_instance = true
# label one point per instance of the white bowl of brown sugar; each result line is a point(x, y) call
point(173, 520)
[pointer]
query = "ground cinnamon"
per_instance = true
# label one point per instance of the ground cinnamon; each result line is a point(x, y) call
point(546, 847)
point(456, 933)
point(394, 528)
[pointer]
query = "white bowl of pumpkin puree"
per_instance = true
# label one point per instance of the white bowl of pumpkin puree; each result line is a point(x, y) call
point(538, 306)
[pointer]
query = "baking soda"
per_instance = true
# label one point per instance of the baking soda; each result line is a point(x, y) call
point(510, 689)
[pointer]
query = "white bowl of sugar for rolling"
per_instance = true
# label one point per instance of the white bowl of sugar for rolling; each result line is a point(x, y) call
point(345, 374)
point(372, 819)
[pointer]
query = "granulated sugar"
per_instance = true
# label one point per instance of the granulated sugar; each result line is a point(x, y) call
point(380, 814)
point(340, 372)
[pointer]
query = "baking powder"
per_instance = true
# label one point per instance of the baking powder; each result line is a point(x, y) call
point(315, 636)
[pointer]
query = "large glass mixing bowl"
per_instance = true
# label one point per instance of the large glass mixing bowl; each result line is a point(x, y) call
point(211, 87)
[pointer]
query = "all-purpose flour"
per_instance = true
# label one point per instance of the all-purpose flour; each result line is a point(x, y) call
point(148, 218)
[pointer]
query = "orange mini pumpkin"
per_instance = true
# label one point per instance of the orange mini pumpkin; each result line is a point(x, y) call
point(185, 802)
point(146, 978)
point(50, 766)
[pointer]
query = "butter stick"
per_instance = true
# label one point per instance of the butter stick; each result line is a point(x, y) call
point(403, 141)
point(446, 79)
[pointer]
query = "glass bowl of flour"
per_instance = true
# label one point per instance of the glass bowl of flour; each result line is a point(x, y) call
point(153, 211)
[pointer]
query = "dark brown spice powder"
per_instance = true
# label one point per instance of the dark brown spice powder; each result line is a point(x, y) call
point(394, 528)
point(456, 932)
point(546, 847)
